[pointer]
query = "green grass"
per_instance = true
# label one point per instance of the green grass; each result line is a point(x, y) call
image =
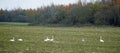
point(13, 24)
point(68, 39)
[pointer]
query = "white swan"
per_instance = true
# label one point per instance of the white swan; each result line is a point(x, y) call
point(47, 39)
point(52, 39)
point(101, 40)
point(20, 39)
point(12, 40)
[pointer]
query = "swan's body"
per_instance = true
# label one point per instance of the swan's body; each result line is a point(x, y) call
point(20, 39)
point(101, 40)
point(12, 40)
point(47, 39)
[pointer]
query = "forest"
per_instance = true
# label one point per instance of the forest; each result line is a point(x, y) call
point(65, 15)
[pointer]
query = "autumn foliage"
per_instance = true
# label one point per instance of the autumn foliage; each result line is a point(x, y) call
point(65, 15)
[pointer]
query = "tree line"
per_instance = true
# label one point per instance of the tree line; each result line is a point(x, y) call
point(65, 15)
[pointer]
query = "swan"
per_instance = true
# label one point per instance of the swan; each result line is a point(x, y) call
point(12, 40)
point(47, 39)
point(101, 40)
point(20, 39)
point(52, 39)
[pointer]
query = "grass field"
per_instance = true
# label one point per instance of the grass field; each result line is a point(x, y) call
point(68, 39)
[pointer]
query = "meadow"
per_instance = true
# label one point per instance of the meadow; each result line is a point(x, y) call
point(67, 39)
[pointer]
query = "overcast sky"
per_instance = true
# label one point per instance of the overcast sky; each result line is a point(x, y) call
point(26, 4)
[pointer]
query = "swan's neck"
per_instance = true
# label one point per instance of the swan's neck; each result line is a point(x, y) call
point(100, 37)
